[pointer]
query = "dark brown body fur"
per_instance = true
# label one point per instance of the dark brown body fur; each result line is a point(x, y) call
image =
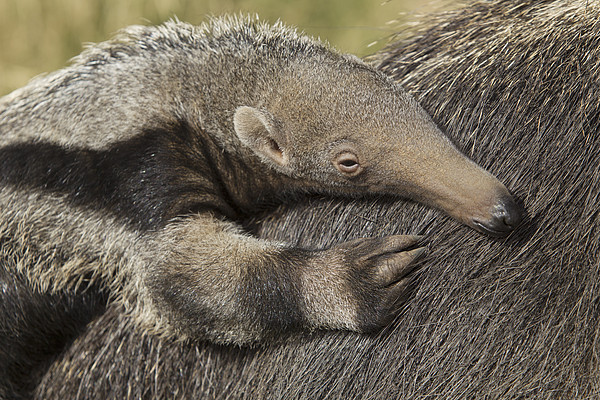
point(514, 82)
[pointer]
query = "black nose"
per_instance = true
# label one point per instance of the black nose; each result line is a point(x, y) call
point(505, 216)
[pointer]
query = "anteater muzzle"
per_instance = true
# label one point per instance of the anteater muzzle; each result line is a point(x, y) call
point(473, 196)
point(436, 173)
point(504, 217)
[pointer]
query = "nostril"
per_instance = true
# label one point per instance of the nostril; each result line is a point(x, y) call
point(507, 212)
point(504, 217)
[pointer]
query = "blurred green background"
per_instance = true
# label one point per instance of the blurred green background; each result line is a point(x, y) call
point(38, 36)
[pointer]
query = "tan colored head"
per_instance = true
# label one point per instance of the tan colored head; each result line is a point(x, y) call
point(348, 129)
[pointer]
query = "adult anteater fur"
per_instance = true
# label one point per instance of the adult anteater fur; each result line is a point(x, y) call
point(127, 170)
point(515, 84)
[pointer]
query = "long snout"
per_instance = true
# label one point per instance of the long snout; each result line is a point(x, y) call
point(473, 196)
point(448, 180)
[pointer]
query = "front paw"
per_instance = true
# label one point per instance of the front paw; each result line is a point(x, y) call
point(366, 282)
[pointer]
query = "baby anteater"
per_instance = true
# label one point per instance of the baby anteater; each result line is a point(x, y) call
point(129, 168)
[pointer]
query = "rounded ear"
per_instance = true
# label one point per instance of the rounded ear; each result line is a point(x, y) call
point(257, 129)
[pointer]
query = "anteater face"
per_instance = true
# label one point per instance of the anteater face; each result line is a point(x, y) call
point(349, 129)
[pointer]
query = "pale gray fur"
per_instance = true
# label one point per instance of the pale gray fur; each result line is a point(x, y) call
point(176, 75)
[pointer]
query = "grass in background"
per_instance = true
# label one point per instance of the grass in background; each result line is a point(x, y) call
point(38, 36)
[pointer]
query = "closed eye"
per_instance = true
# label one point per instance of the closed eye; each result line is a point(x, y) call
point(347, 163)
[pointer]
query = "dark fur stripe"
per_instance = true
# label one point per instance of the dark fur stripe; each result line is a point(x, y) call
point(269, 297)
point(147, 180)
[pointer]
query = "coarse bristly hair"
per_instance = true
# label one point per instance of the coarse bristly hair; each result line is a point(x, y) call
point(237, 35)
point(515, 83)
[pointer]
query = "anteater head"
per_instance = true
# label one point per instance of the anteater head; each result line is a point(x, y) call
point(340, 126)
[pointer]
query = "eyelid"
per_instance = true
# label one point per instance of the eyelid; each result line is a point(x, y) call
point(352, 158)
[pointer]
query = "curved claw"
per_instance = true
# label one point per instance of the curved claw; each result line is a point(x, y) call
point(396, 266)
